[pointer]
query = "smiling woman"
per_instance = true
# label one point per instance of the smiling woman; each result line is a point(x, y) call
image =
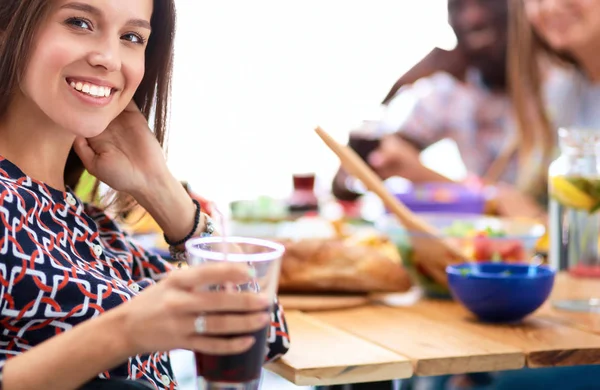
point(78, 298)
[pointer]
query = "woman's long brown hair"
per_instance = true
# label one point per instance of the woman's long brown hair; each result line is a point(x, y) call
point(19, 20)
point(528, 58)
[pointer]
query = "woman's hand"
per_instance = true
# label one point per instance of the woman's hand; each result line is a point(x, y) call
point(126, 156)
point(163, 316)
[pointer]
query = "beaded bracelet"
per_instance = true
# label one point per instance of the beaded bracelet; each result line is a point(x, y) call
point(181, 255)
point(190, 234)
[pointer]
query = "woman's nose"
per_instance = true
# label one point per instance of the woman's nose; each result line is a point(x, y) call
point(106, 54)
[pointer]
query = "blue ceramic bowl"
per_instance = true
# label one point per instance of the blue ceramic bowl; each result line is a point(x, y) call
point(500, 292)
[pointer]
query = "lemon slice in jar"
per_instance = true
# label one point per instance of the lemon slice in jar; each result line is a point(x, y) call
point(570, 195)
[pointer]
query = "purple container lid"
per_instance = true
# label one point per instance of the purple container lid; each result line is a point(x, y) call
point(442, 198)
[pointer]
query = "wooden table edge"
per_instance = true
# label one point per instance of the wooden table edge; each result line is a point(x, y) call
point(401, 368)
point(343, 374)
point(470, 364)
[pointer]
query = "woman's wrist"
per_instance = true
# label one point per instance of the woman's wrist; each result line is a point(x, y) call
point(172, 208)
point(121, 341)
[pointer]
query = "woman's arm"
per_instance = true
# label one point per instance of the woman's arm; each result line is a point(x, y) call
point(171, 206)
point(438, 60)
point(69, 360)
point(160, 318)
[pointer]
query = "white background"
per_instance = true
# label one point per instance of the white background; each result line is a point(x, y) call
point(253, 78)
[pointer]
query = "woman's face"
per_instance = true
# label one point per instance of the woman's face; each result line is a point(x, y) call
point(87, 62)
point(569, 26)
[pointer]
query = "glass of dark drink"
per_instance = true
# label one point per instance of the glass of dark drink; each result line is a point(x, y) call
point(241, 371)
point(303, 199)
point(365, 139)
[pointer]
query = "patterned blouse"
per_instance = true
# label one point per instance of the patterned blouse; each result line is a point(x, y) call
point(63, 262)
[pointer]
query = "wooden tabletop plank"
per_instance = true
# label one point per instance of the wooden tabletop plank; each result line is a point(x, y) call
point(588, 322)
point(436, 347)
point(545, 343)
point(323, 355)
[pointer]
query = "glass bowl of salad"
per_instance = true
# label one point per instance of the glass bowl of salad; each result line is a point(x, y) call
point(484, 239)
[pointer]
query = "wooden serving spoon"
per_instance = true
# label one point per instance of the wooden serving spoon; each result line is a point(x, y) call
point(431, 252)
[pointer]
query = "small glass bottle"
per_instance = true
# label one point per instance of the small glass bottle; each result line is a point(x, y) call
point(364, 140)
point(574, 217)
point(303, 199)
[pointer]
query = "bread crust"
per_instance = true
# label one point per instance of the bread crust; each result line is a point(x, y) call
point(337, 265)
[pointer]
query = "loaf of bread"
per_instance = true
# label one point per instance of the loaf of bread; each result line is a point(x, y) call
point(342, 265)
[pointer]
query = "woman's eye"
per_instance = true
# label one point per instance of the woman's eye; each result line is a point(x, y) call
point(80, 23)
point(134, 38)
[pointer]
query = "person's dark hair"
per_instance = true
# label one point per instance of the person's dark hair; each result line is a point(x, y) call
point(19, 20)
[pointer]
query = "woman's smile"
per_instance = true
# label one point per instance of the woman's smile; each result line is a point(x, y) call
point(96, 93)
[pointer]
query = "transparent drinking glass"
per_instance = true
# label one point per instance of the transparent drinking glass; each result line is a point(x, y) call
point(241, 371)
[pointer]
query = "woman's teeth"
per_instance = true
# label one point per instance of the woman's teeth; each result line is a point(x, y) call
point(91, 89)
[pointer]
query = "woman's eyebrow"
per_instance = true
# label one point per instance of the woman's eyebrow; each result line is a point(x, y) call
point(90, 9)
point(95, 11)
point(139, 23)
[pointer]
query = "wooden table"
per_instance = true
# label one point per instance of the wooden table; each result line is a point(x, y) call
point(377, 342)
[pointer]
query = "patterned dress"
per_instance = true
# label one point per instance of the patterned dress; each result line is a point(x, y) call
point(63, 262)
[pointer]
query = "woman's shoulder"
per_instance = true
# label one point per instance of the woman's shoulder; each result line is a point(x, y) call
point(562, 92)
point(439, 89)
point(438, 83)
point(438, 94)
point(24, 195)
point(558, 79)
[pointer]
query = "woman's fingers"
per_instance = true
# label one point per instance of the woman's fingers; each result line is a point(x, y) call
point(84, 151)
point(201, 276)
point(224, 324)
point(222, 301)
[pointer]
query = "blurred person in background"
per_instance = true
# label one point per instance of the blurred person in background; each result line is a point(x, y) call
point(554, 80)
point(555, 64)
point(460, 95)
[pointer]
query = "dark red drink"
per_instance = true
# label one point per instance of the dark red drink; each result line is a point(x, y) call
point(303, 198)
point(240, 368)
point(363, 143)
